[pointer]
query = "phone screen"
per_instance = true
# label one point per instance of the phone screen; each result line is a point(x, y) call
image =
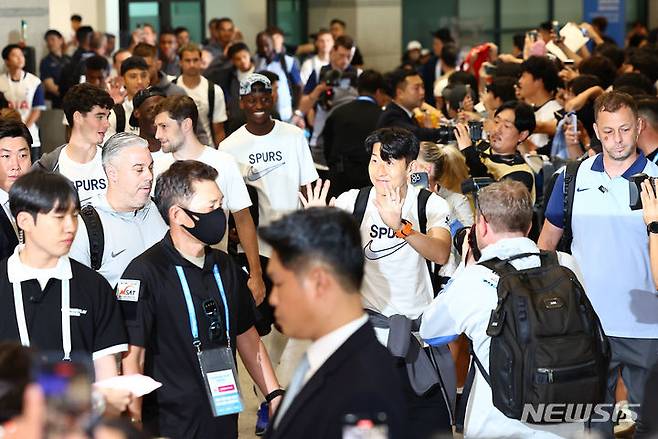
point(420, 180)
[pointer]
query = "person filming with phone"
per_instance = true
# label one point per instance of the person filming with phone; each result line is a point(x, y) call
point(514, 121)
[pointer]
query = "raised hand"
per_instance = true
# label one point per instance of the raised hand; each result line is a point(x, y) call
point(390, 207)
point(317, 196)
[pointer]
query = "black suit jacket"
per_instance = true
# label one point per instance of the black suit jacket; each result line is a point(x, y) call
point(395, 116)
point(428, 73)
point(8, 238)
point(359, 378)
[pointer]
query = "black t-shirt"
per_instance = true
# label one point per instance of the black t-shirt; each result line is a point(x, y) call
point(96, 324)
point(158, 321)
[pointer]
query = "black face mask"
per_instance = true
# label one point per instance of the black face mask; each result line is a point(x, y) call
point(210, 227)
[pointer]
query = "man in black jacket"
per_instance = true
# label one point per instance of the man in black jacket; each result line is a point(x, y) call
point(15, 143)
point(346, 377)
point(408, 94)
point(345, 132)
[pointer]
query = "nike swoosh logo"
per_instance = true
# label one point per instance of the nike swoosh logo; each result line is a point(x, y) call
point(115, 254)
point(582, 189)
point(253, 174)
point(373, 255)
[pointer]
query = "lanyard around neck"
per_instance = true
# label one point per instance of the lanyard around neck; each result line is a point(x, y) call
point(194, 326)
point(66, 317)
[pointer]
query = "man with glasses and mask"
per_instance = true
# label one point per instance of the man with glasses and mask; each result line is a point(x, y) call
point(187, 308)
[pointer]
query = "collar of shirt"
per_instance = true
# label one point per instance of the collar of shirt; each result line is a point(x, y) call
point(506, 248)
point(176, 258)
point(18, 272)
point(4, 197)
point(637, 166)
point(409, 113)
point(325, 346)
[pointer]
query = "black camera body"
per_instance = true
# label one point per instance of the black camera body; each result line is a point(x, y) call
point(635, 189)
point(473, 185)
point(447, 133)
point(335, 79)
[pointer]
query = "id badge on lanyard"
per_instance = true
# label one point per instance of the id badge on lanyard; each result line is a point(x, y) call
point(217, 365)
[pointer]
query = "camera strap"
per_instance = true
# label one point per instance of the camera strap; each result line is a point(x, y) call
point(194, 326)
point(66, 316)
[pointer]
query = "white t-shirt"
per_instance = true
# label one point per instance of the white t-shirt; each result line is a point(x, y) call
point(112, 120)
point(229, 180)
point(276, 164)
point(89, 178)
point(396, 279)
point(23, 96)
point(544, 113)
point(310, 67)
point(200, 96)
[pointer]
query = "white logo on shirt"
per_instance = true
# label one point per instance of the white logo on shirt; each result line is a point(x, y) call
point(77, 312)
point(128, 290)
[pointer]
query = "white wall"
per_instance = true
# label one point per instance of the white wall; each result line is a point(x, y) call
point(35, 12)
point(102, 15)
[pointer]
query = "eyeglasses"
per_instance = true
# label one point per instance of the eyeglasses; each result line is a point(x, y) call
point(215, 328)
point(479, 209)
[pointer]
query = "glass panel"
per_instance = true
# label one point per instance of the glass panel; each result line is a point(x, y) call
point(143, 12)
point(522, 14)
point(420, 18)
point(289, 19)
point(188, 14)
point(476, 22)
point(568, 10)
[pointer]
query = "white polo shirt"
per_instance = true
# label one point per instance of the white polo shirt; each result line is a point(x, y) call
point(611, 246)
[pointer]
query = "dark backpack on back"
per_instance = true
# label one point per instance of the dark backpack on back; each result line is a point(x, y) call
point(547, 344)
point(95, 234)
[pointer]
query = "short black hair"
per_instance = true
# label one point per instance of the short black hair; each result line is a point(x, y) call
point(503, 88)
point(635, 79)
point(167, 31)
point(97, 62)
point(236, 48)
point(323, 234)
point(369, 82)
point(465, 78)
point(76, 17)
point(15, 367)
point(7, 50)
point(344, 41)
point(134, 62)
point(601, 67)
point(40, 192)
point(83, 33)
point(582, 82)
point(540, 67)
point(337, 21)
point(52, 32)
point(15, 128)
point(449, 54)
point(518, 41)
point(647, 107)
point(644, 61)
point(611, 51)
point(600, 22)
point(180, 30)
point(396, 143)
point(399, 76)
point(84, 97)
point(176, 184)
point(524, 115)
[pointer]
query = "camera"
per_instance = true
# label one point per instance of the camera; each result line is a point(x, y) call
point(447, 134)
point(635, 189)
point(335, 79)
point(473, 185)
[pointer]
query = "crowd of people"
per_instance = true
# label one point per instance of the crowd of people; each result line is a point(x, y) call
point(379, 247)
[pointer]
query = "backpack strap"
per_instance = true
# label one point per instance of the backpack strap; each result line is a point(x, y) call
point(95, 234)
point(120, 113)
point(211, 108)
point(570, 174)
point(360, 204)
point(423, 196)
point(460, 412)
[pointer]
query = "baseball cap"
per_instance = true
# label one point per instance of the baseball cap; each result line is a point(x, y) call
point(254, 78)
point(414, 45)
point(139, 99)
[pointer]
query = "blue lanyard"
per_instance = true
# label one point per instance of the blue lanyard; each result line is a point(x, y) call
point(194, 327)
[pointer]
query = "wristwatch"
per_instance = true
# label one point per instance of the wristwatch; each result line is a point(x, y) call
point(652, 227)
point(405, 230)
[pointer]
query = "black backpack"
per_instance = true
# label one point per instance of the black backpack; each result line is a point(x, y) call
point(95, 234)
point(547, 343)
point(423, 195)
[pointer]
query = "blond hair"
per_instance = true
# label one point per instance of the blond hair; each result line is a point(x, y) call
point(450, 168)
point(506, 205)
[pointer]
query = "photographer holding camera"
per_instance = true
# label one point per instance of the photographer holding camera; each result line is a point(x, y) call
point(513, 122)
point(334, 85)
